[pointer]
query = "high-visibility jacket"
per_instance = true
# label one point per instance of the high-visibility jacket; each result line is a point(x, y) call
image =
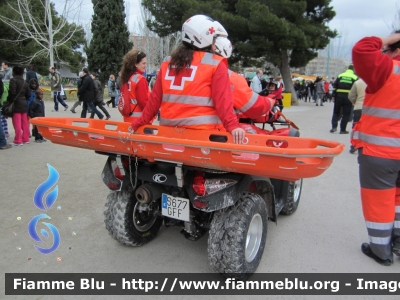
point(134, 108)
point(345, 81)
point(186, 98)
point(378, 130)
point(248, 102)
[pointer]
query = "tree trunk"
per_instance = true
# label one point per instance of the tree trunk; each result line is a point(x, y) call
point(50, 31)
point(286, 75)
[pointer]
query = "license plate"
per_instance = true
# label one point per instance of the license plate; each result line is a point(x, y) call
point(175, 207)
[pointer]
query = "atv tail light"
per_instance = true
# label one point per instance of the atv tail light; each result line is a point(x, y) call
point(203, 187)
point(198, 184)
point(277, 143)
point(116, 170)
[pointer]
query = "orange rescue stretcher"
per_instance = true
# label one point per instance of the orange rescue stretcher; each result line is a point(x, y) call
point(280, 157)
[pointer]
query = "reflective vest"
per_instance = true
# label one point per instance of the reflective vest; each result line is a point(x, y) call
point(244, 98)
point(378, 130)
point(186, 98)
point(135, 110)
point(346, 81)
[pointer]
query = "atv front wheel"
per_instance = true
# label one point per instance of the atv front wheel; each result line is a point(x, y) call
point(237, 237)
point(293, 197)
point(130, 222)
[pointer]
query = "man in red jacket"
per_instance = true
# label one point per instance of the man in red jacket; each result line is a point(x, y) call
point(377, 135)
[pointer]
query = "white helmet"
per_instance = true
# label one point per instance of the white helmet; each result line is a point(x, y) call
point(200, 30)
point(223, 46)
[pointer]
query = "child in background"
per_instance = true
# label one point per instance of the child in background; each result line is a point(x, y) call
point(37, 110)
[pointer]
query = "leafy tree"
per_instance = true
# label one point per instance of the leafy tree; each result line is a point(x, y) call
point(287, 33)
point(28, 38)
point(110, 39)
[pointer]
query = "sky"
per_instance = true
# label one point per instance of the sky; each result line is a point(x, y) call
point(354, 19)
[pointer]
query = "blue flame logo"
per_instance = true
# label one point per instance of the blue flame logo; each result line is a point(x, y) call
point(45, 204)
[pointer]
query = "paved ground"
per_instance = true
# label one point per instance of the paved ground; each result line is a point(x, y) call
point(324, 235)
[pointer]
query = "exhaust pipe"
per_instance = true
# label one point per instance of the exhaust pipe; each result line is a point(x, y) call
point(148, 192)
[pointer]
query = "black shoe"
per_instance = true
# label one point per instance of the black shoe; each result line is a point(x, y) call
point(333, 130)
point(352, 150)
point(43, 140)
point(343, 132)
point(322, 105)
point(38, 141)
point(366, 249)
point(316, 104)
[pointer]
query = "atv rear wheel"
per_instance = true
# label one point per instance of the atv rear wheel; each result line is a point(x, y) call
point(293, 198)
point(237, 237)
point(130, 222)
point(108, 212)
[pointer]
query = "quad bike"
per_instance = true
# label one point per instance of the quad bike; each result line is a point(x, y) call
point(198, 180)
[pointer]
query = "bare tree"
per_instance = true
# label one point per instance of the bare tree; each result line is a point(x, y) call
point(396, 21)
point(43, 30)
point(156, 48)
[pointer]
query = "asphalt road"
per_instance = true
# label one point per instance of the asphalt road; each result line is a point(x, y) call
point(323, 236)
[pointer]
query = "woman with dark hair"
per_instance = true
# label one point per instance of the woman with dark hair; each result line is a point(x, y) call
point(134, 83)
point(19, 93)
point(192, 87)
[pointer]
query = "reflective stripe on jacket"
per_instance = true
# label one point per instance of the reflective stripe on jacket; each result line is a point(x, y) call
point(246, 100)
point(346, 81)
point(378, 130)
point(135, 110)
point(243, 98)
point(186, 98)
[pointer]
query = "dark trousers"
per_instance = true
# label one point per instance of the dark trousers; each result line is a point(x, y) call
point(112, 101)
point(92, 108)
point(341, 102)
point(100, 105)
point(57, 98)
point(356, 115)
point(36, 133)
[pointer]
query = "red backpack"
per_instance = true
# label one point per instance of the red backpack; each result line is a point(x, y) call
point(124, 103)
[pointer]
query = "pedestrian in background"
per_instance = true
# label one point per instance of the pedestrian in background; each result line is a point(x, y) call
point(340, 97)
point(256, 85)
point(86, 94)
point(37, 110)
point(117, 88)
point(3, 140)
point(19, 93)
point(7, 71)
point(31, 74)
point(79, 101)
point(320, 89)
point(377, 135)
point(112, 93)
point(55, 82)
point(356, 97)
point(98, 96)
point(3, 98)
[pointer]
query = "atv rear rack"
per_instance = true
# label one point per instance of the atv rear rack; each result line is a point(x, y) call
point(280, 157)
